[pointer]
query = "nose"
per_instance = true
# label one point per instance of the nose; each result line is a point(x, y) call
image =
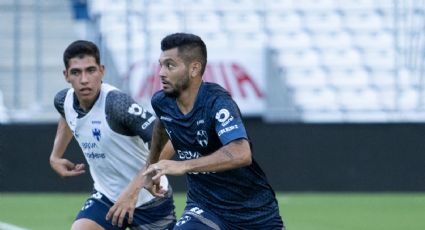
point(162, 72)
point(84, 78)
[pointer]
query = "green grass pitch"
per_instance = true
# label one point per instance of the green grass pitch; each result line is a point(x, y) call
point(301, 211)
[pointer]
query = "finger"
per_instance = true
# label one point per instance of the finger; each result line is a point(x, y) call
point(130, 216)
point(158, 175)
point(157, 192)
point(75, 173)
point(69, 164)
point(79, 167)
point(149, 171)
point(115, 216)
point(121, 218)
point(110, 212)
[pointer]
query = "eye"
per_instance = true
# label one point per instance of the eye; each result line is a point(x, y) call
point(74, 72)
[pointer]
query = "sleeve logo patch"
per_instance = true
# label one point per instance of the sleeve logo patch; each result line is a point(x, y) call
point(135, 109)
point(222, 115)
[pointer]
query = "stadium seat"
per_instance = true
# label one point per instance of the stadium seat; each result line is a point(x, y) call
point(305, 78)
point(236, 22)
point(320, 99)
point(336, 40)
point(299, 59)
point(197, 21)
point(358, 99)
point(283, 21)
point(294, 40)
point(322, 21)
point(348, 78)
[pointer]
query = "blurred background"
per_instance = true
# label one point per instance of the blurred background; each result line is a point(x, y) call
point(332, 91)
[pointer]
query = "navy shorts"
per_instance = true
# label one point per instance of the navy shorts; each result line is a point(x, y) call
point(156, 214)
point(195, 217)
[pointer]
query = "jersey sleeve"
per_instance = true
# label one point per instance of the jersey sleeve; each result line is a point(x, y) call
point(126, 117)
point(59, 101)
point(228, 121)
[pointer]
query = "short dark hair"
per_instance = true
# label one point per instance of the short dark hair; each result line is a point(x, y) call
point(80, 48)
point(189, 46)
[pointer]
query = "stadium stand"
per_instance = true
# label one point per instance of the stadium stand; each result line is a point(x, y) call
point(360, 57)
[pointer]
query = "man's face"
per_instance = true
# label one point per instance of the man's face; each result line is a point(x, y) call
point(85, 76)
point(174, 73)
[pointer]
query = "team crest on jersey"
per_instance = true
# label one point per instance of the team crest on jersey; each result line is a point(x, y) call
point(202, 138)
point(96, 133)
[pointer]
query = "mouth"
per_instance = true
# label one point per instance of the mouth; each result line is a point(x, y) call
point(85, 90)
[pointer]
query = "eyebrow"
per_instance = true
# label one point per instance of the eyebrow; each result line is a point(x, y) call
point(79, 69)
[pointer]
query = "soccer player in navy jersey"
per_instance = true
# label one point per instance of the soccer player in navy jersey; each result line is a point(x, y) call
point(227, 189)
point(114, 133)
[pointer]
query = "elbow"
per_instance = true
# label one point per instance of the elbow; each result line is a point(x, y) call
point(246, 159)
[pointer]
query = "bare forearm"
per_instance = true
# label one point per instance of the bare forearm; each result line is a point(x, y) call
point(167, 152)
point(62, 139)
point(234, 155)
point(159, 139)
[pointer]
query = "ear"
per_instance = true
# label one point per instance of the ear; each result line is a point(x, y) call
point(102, 70)
point(195, 69)
point(65, 74)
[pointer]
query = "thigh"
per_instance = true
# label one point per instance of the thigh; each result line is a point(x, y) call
point(94, 210)
point(86, 224)
point(195, 217)
point(156, 215)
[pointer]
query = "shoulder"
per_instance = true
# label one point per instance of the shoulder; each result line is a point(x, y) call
point(215, 91)
point(60, 96)
point(116, 96)
point(158, 97)
point(59, 100)
point(118, 102)
point(159, 100)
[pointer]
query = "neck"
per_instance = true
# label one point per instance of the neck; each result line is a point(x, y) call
point(187, 98)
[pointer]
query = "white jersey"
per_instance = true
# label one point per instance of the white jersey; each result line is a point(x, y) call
point(114, 159)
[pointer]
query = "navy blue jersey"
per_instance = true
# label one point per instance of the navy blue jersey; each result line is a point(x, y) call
point(240, 195)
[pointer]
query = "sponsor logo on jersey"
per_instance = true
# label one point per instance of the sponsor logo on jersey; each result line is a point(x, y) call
point(227, 129)
point(97, 195)
point(200, 122)
point(188, 155)
point(87, 205)
point(137, 110)
point(202, 138)
point(96, 133)
point(88, 145)
point(196, 211)
point(166, 118)
point(96, 122)
point(94, 156)
point(148, 122)
point(223, 116)
point(183, 220)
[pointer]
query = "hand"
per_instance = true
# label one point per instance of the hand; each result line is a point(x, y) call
point(126, 203)
point(66, 168)
point(166, 167)
point(154, 186)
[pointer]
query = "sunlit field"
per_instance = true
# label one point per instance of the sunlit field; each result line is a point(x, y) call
point(301, 211)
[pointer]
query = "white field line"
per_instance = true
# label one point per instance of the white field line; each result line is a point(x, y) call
point(6, 226)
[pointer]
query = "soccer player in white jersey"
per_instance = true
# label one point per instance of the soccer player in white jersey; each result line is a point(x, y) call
point(227, 189)
point(114, 134)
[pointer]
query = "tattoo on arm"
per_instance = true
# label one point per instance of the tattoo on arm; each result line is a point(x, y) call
point(228, 154)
